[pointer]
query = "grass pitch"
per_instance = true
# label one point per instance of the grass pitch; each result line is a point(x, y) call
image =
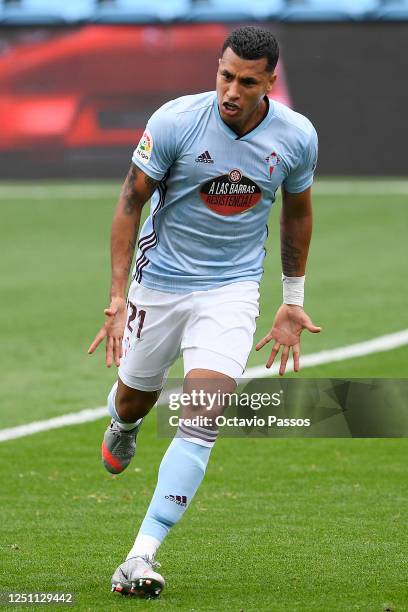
point(277, 525)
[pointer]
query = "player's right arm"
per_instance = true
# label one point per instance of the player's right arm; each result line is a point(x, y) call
point(136, 191)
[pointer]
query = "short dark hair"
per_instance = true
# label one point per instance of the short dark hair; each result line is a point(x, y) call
point(251, 42)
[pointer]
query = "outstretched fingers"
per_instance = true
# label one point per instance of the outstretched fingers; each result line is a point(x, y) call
point(264, 341)
point(110, 312)
point(314, 329)
point(274, 352)
point(117, 350)
point(98, 339)
point(113, 348)
point(109, 351)
point(296, 357)
point(284, 360)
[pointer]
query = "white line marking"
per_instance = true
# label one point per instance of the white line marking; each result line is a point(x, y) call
point(109, 189)
point(377, 345)
point(73, 418)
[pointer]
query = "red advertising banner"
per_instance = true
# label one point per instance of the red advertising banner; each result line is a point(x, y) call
point(87, 92)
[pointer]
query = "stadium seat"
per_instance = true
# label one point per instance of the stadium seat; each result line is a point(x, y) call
point(27, 12)
point(78, 10)
point(140, 11)
point(47, 12)
point(392, 10)
point(231, 10)
point(327, 10)
point(50, 12)
point(266, 9)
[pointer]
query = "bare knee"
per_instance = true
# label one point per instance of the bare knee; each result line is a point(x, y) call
point(132, 404)
point(209, 388)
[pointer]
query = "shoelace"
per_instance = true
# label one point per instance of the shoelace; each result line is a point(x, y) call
point(123, 438)
point(151, 561)
point(122, 450)
point(122, 446)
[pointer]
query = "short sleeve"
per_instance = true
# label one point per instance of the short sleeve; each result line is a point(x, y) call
point(301, 176)
point(156, 150)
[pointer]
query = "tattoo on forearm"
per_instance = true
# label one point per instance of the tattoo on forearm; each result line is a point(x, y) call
point(129, 192)
point(151, 183)
point(131, 202)
point(290, 257)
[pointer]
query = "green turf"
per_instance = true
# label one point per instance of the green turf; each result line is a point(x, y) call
point(279, 525)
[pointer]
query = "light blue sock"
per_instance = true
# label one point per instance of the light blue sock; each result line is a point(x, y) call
point(180, 474)
point(111, 402)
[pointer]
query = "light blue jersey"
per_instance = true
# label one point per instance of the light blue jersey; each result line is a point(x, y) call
point(207, 224)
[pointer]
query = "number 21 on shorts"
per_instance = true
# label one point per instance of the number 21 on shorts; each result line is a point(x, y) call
point(132, 314)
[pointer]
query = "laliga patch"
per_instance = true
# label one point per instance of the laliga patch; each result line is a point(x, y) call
point(145, 148)
point(230, 194)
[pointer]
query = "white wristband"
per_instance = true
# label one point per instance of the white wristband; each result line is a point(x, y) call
point(293, 290)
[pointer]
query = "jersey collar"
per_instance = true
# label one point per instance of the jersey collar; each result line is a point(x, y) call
point(261, 125)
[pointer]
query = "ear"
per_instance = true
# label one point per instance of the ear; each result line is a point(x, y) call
point(271, 82)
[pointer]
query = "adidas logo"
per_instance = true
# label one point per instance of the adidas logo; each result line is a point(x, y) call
point(205, 158)
point(181, 500)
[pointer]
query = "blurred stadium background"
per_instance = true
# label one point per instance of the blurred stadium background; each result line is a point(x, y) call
point(321, 523)
point(78, 82)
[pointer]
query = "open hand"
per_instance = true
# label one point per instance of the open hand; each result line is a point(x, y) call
point(112, 330)
point(289, 323)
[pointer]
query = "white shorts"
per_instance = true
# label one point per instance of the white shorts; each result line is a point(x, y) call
point(212, 329)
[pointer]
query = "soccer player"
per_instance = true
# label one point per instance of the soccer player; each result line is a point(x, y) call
point(211, 164)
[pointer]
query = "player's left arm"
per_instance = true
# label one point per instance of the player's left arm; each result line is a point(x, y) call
point(291, 319)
